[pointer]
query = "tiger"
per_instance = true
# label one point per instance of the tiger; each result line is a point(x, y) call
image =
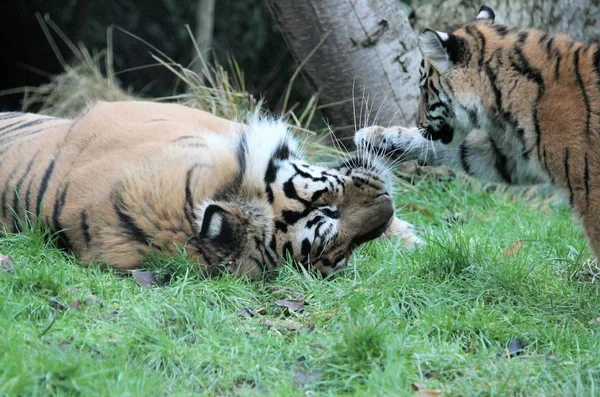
point(511, 105)
point(127, 179)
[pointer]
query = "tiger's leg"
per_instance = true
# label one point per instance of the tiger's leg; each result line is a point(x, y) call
point(576, 169)
point(478, 155)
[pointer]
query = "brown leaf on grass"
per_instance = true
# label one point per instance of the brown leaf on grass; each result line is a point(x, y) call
point(513, 249)
point(423, 391)
point(286, 325)
point(291, 305)
point(144, 278)
point(7, 264)
point(76, 304)
point(246, 313)
point(308, 377)
point(514, 348)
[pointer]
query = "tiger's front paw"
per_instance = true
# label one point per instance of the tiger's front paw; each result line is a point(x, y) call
point(405, 143)
point(406, 232)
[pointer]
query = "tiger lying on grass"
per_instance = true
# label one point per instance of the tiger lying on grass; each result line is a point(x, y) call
point(129, 177)
point(518, 106)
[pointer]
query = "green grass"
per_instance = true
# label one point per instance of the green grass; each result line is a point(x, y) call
point(442, 316)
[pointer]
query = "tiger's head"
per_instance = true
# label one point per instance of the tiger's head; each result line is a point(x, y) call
point(454, 94)
point(286, 208)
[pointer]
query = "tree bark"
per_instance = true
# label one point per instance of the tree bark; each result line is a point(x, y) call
point(364, 51)
point(205, 20)
point(578, 18)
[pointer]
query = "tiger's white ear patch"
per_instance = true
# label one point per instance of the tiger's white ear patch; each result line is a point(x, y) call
point(486, 14)
point(432, 46)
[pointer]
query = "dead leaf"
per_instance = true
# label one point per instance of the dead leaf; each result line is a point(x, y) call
point(291, 305)
point(246, 313)
point(76, 304)
point(513, 249)
point(311, 376)
point(7, 264)
point(515, 347)
point(145, 278)
point(424, 391)
point(283, 325)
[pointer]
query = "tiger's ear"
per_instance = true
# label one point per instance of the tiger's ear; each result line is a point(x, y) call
point(433, 48)
point(219, 226)
point(486, 14)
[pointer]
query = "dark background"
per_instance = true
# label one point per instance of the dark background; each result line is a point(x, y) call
point(243, 30)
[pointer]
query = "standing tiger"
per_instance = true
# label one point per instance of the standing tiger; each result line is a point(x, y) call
point(129, 177)
point(518, 106)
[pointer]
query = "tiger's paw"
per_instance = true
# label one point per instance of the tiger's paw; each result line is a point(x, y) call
point(406, 232)
point(402, 142)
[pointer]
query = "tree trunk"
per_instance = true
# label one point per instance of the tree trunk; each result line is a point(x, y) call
point(578, 18)
point(205, 19)
point(364, 51)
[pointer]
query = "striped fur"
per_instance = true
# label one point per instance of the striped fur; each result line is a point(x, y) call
point(130, 177)
point(518, 106)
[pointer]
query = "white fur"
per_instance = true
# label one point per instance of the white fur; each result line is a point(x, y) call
point(430, 44)
point(214, 228)
point(485, 14)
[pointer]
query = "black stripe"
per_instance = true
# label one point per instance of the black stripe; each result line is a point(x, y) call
point(188, 206)
point(549, 47)
point(493, 78)
point(10, 115)
point(586, 178)
point(305, 248)
point(482, 43)
point(5, 190)
point(283, 151)
point(241, 154)
point(464, 151)
point(586, 100)
point(597, 65)
point(28, 197)
point(534, 75)
point(287, 249)
point(59, 204)
point(500, 29)
point(17, 192)
point(44, 185)
point(85, 228)
point(4, 128)
point(290, 192)
point(500, 162)
point(523, 35)
point(24, 125)
point(185, 137)
point(557, 65)
point(567, 176)
point(546, 167)
point(127, 222)
point(11, 138)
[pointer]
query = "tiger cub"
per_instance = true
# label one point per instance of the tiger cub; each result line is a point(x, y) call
point(130, 177)
point(518, 106)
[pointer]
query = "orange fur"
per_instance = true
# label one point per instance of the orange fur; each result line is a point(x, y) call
point(513, 105)
point(129, 177)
